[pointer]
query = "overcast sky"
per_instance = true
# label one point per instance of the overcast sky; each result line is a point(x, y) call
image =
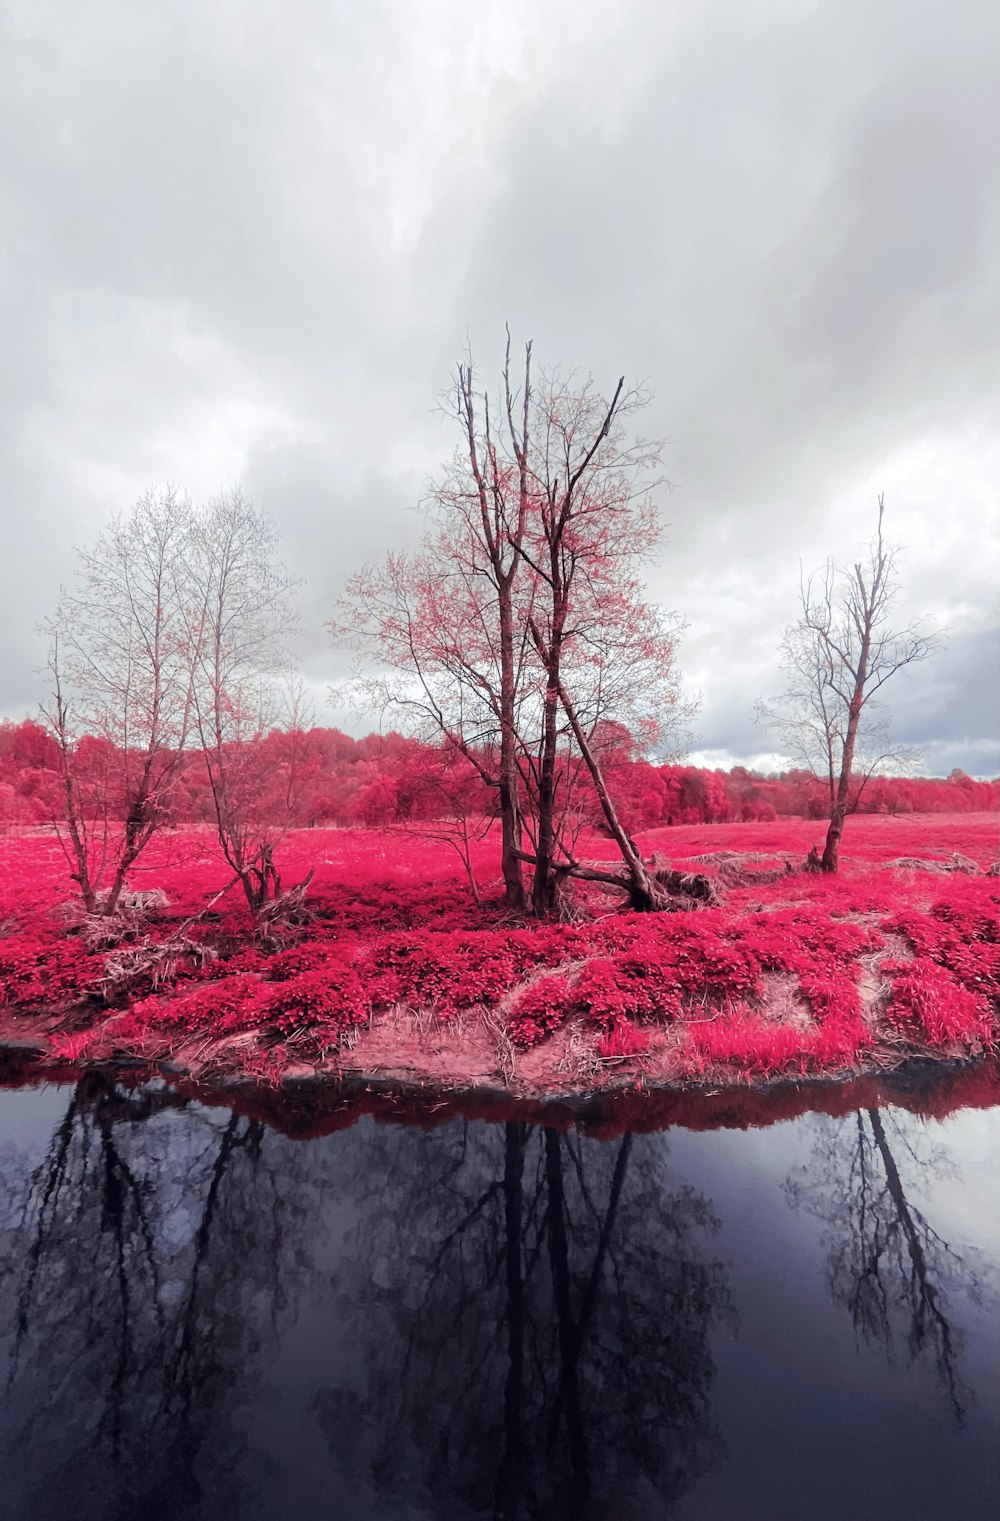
point(244, 242)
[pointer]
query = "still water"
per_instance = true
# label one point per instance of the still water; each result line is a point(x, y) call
point(203, 1318)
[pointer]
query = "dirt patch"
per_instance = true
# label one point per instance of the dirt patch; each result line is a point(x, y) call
point(784, 1002)
point(405, 1040)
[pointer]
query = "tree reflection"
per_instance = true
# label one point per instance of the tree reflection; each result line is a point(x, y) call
point(534, 1312)
point(145, 1271)
point(887, 1265)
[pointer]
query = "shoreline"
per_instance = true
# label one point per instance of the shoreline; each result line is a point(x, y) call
point(304, 1105)
point(395, 976)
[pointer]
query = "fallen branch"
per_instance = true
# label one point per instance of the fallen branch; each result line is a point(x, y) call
point(921, 863)
point(731, 867)
point(158, 960)
point(692, 888)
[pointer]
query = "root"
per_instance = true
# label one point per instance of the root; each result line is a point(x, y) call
point(694, 885)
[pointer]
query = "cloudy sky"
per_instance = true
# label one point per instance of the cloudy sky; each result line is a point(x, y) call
point(247, 242)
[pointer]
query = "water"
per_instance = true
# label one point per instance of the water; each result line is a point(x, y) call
point(201, 1317)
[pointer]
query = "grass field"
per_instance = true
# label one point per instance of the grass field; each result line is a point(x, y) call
point(399, 969)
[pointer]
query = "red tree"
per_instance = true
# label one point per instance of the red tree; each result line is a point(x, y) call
point(521, 626)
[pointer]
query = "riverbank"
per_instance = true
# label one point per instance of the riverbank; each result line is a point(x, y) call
point(307, 1107)
point(393, 973)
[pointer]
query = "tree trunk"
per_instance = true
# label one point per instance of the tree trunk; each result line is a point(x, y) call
point(510, 811)
point(138, 829)
point(76, 828)
point(645, 893)
point(543, 888)
point(831, 851)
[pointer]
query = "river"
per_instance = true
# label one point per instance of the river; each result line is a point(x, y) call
point(201, 1317)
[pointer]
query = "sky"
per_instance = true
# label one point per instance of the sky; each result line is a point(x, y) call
point(248, 243)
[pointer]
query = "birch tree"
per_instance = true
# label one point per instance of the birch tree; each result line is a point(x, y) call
point(120, 703)
point(239, 618)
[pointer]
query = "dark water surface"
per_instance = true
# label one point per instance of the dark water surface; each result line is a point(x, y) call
point(202, 1318)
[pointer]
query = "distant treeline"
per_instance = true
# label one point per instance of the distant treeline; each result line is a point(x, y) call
point(322, 776)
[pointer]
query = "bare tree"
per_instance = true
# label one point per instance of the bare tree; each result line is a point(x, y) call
point(446, 626)
point(810, 724)
point(239, 616)
point(120, 703)
point(867, 1179)
point(520, 625)
point(837, 657)
point(605, 652)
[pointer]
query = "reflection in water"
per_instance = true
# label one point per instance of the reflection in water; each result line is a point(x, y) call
point(535, 1312)
point(140, 1266)
point(207, 1319)
point(887, 1265)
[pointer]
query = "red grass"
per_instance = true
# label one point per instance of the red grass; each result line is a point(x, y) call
point(396, 924)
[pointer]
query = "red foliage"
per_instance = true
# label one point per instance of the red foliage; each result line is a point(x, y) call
point(394, 926)
point(746, 1042)
point(603, 994)
point(388, 779)
point(928, 998)
point(538, 1010)
point(623, 1039)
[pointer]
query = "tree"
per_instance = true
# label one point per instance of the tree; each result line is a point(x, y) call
point(520, 625)
point(173, 633)
point(535, 1313)
point(239, 616)
point(446, 626)
point(888, 1266)
point(120, 703)
point(604, 652)
point(837, 656)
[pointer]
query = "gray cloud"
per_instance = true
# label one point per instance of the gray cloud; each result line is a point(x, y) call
point(247, 245)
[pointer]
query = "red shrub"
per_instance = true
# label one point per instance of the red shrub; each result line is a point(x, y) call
point(929, 998)
point(538, 1010)
point(394, 924)
point(604, 994)
point(331, 996)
